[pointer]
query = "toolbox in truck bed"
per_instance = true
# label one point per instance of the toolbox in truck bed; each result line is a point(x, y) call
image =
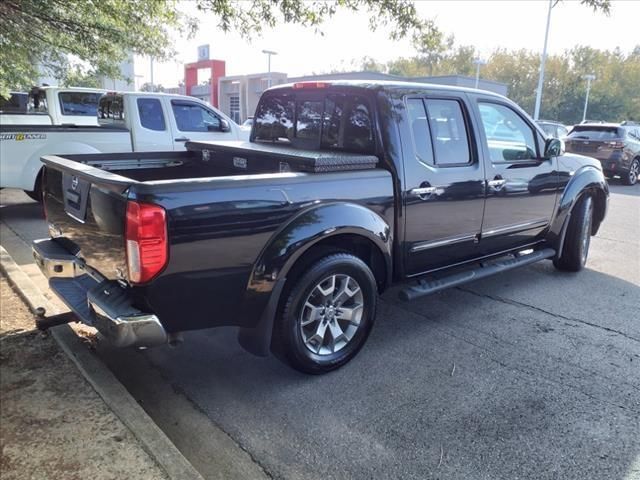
point(250, 155)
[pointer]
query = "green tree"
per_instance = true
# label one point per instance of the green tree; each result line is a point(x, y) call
point(99, 34)
point(96, 34)
point(150, 87)
point(250, 18)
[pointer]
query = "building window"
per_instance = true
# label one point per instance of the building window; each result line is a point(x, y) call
point(234, 108)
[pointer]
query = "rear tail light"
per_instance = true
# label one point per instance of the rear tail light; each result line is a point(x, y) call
point(615, 144)
point(146, 237)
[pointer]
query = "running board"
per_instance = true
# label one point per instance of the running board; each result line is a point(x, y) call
point(427, 287)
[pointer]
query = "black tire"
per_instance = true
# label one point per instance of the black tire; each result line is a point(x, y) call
point(292, 341)
point(631, 177)
point(36, 194)
point(578, 237)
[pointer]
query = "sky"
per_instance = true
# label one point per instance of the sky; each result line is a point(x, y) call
point(487, 25)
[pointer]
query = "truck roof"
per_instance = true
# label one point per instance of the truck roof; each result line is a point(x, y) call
point(388, 85)
point(73, 89)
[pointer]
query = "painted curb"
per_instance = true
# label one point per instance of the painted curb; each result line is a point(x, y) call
point(117, 398)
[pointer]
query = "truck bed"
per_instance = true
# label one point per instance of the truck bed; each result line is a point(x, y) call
point(213, 187)
point(210, 159)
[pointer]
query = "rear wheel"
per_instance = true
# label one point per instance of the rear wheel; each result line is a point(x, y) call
point(578, 237)
point(328, 314)
point(631, 177)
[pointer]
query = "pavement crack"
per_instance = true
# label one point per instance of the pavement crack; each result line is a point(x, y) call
point(493, 357)
point(617, 240)
point(178, 390)
point(516, 303)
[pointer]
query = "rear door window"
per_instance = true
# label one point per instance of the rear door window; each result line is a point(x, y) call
point(448, 132)
point(151, 115)
point(420, 130)
point(83, 104)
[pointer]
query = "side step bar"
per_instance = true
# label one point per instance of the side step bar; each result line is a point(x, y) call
point(427, 287)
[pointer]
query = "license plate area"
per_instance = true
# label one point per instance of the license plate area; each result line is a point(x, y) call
point(76, 193)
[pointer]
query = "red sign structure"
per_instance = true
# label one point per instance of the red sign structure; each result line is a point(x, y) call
point(191, 78)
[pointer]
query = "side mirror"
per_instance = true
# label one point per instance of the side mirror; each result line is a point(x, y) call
point(553, 147)
point(224, 125)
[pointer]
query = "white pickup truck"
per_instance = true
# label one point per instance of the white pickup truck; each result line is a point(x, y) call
point(51, 106)
point(126, 122)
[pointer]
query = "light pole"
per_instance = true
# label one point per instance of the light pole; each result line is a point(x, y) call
point(478, 62)
point(589, 78)
point(153, 87)
point(543, 60)
point(268, 53)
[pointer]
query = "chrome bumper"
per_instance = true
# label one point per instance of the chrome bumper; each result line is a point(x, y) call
point(96, 301)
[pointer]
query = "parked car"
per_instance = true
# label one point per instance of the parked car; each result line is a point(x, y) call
point(123, 122)
point(344, 189)
point(615, 145)
point(553, 129)
point(51, 106)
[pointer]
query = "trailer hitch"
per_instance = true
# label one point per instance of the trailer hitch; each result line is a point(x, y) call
point(44, 323)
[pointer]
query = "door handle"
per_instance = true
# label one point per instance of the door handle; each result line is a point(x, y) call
point(424, 191)
point(181, 139)
point(499, 182)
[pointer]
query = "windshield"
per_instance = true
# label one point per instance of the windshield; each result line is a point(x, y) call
point(595, 133)
point(84, 104)
point(315, 120)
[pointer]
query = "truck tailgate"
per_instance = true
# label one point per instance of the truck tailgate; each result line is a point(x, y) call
point(86, 209)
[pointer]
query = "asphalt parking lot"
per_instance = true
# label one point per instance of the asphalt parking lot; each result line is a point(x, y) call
point(530, 374)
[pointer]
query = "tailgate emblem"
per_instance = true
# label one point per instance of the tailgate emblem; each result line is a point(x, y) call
point(74, 183)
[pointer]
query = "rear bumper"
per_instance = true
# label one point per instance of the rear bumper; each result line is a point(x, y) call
point(96, 301)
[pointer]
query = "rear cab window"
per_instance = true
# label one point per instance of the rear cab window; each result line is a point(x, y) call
point(322, 120)
point(111, 110)
point(82, 104)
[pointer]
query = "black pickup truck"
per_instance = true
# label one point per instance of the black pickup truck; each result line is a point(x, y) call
point(344, 189)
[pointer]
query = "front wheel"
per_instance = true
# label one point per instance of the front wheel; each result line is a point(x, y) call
point(328, 314)
point(578, 237)
point(631, 177)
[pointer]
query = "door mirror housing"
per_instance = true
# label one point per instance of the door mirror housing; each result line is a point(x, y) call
point(553, 147)
point(224, 125)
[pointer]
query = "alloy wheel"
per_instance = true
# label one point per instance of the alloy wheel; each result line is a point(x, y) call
point(331, 314)
point(634, 171)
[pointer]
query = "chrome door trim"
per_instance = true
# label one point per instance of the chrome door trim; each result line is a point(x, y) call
point(442, 242)
point(519, 227)
point(424, 190)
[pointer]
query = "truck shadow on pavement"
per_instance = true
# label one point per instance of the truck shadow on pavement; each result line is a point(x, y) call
point(507, 377)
